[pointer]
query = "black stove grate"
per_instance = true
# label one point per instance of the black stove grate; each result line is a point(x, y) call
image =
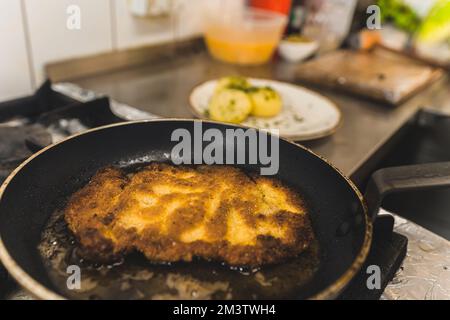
point(44, 100)
point(388, 251)
point(31, 123)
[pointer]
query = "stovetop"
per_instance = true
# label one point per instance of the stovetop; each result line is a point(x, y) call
point(55, 112)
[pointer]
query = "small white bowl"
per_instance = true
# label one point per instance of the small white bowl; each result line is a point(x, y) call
point(297, 51)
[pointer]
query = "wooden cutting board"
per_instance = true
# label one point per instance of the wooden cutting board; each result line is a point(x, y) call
point(379, 74)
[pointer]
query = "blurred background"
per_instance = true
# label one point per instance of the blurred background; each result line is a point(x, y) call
point(35, 33)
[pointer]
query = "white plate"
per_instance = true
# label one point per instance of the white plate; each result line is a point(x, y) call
point(306, 115)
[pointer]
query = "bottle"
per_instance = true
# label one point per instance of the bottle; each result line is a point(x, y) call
point(296, 17)
point(280, 6)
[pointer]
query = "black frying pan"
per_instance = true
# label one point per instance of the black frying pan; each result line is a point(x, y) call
point(341, 220)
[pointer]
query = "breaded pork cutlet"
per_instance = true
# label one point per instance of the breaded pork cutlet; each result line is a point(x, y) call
point(173, 213)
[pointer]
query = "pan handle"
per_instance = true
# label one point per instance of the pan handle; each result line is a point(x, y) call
point(405, 178)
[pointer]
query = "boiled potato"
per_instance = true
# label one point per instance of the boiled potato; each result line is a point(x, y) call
point(230, 105)
point(233, 83)
point(266, 102)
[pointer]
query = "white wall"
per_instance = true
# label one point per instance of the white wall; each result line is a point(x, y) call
point(134, 32)
point(34, 33)
point(50, 38)
point(15, 77)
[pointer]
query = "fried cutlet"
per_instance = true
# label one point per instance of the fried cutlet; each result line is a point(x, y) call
point(173, 213)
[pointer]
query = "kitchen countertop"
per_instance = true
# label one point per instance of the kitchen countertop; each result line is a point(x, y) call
point(163, 89)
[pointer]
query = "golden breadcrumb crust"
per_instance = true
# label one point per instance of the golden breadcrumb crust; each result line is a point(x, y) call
point(173, 213)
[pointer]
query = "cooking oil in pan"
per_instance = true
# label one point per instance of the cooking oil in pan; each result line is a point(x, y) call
point(135, 277)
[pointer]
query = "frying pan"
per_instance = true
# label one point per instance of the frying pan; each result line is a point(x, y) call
point(341, 217)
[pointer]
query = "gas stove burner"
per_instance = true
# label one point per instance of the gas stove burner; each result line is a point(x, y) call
point(13, 141)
